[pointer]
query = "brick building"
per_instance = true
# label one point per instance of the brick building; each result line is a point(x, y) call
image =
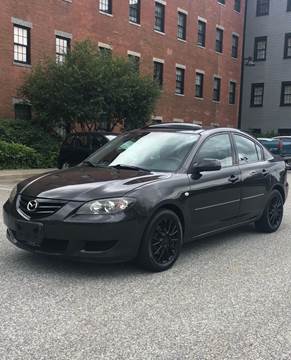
point(192, 47)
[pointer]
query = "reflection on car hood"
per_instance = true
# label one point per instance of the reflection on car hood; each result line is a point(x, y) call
point(87, 183)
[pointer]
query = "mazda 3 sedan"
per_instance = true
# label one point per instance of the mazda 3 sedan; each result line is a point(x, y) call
point(146, 193)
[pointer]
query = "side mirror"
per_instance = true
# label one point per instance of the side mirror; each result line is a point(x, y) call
point(207, 165)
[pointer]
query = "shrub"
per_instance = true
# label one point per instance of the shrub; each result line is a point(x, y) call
point(33, 136)
point(16, 156)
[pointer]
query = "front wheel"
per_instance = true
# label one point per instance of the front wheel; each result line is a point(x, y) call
point(272, 215)
point(162, 242)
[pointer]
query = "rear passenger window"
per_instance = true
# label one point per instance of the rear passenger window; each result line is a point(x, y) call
point(217, 147)
point(246, 148)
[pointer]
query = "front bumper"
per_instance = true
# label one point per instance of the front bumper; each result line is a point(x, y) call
point(89, 238)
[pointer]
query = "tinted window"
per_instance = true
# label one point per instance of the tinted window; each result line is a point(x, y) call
point(98, 141)
point(217, 147)
point(246, 149)
point(81, 141)
point(155, 151)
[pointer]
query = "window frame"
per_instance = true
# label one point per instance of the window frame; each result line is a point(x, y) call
point(288, 5)
point(253, 87)
point(199, 86)
point(234, 46)
point(27, 46)
point(104, 2)
point(237, 6)
point(260, 6)
point(28, 107)
point(182, 27)
point(232, 94)
point(159, 5)
point(256, 51)
point(219, 42)
point(181, 82)
point(159, 80)
point(286, 47)
point(216, 91)
point(135, 61)
point(134, 8)
point(256, 145)
point(283, 85)
point(68, 40)
point(201, 34)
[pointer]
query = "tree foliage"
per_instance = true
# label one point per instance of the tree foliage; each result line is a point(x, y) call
point(87, 88)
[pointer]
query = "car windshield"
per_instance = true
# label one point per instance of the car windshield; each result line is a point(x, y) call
point(152, 151)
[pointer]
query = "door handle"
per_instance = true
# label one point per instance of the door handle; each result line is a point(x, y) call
point(233, 179)
point(265, 172)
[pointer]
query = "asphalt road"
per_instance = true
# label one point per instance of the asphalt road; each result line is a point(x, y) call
point(228, 297)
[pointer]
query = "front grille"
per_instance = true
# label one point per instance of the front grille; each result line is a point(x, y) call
point(45, 207)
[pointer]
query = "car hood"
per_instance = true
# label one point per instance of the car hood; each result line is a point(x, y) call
point(86, 183)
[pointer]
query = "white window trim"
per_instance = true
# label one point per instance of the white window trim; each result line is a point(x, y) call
point(178, 120)
point(63, 34)
point(104, 46)
point(163, 2)
point(220, 27)
point(236, 34)
point(181, 66)
point(200, 71)
point(217, 76)
point(158, 60)
point(197, 122)
point(182, 11)
point(133, 53)
point(16, 21)
point(202, 19)
point(154, 117)
point(234, 81)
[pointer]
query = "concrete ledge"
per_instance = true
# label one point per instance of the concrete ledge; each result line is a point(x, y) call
point(21, 173)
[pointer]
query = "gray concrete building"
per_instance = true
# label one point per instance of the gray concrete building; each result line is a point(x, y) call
point(266, 101)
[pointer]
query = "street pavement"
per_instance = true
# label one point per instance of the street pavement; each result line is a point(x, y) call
point(227, 297)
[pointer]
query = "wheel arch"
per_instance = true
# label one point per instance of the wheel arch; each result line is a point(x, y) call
point(281, 191)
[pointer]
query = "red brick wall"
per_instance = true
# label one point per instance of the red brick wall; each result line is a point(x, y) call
point(82, 19)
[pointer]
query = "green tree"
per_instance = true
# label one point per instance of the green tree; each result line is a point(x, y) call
point(87, 88)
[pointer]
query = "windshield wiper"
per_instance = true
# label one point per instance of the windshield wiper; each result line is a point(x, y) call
point(129, 167)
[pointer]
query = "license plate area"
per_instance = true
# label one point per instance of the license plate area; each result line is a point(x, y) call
point(29, 233)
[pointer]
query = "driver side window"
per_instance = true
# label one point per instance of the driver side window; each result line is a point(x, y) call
point(217, 147)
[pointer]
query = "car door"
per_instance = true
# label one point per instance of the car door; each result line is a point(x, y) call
point(254, 172)
point(214, 197)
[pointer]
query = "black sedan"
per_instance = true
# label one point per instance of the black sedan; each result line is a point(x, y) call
point(146, 193)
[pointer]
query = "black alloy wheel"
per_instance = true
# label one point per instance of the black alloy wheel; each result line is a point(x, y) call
point(162, 242)
point(273, 214)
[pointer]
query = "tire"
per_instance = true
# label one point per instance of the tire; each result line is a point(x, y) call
point(162, 242)
point(272, 216)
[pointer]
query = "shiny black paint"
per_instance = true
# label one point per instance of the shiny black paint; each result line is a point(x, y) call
point(212, 202)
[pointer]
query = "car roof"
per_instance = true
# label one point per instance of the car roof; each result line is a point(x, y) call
point(267, 139)
point(100, 132)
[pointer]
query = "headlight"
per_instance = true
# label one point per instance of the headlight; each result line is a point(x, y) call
point(13, 194)
point(105, 206)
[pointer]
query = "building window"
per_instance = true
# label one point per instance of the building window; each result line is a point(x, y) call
point(22, 112)
point(257, 95)
point(180, 79)
point(234, 48)
point(182, 21)
point(201, 33)
point(288, 5)
point(260, 52)
point(237, 5)
point(135, 61)
point(21, 44)
point(219, 40)
point(199, 82)
point(216, 89)
point(221, 2)
point(287, 46)
point(105, 6)
point(159, 73)
point(105, 51)
point(134, 11)
point(263, 7)
point(62, 48)
point(159, 17)
point(286, 93)
point(232, 92)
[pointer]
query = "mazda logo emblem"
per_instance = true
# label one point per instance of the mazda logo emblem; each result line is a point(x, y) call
point(32, 205)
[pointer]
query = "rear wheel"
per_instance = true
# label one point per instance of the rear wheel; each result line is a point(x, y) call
point(272, 215)
point(162, 242)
